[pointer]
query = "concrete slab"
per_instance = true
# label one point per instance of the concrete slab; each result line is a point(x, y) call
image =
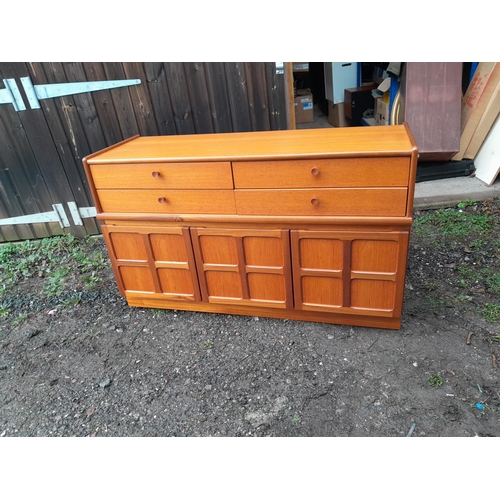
point(445, 193)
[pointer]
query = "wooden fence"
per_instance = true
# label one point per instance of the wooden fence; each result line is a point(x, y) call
point(41, 148)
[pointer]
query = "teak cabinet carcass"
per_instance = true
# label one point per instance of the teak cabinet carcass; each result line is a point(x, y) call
point(302, 224)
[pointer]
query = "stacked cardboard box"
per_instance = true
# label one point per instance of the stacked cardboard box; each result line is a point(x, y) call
point(304, 109)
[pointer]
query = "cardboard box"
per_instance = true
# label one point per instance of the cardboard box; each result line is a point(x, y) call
point(382, 110)
point(336, 114)
point(304, 111)
point(485, 123)
point(475, 102)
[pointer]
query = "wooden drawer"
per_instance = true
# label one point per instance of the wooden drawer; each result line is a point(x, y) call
point(342, 172)
point(201, 201)
point(208, 175)
point(380, 202)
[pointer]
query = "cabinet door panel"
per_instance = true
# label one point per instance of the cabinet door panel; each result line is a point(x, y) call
point(349, 272)
point(374, 256)
point(247, 267)
point(372, 294)
point(322, 291)
point(154, 261)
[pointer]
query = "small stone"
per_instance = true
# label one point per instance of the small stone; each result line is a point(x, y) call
point(105, 383)
point(33, 333)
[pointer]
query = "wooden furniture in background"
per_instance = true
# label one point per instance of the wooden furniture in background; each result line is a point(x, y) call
point(303, 224)
point(431, 100)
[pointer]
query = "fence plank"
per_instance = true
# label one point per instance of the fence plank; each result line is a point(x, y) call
point(103, 102)
point(85, 109)
point(218, 95)
point(277, 99)
point(238, 97)
point(122, 101)
point(257, 95)
point(181, 105)
point(143, 108)
point(160, 98)
point(68, 179)
point(198, 94)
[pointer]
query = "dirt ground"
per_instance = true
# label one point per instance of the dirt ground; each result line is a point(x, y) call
point(75, 360)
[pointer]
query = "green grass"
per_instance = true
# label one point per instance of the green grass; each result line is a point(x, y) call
point(453, 223)
point(434, 303)
point(54, 263)
point(493, 283)
point(431, 286)
point(491, 312)
point(465, 204)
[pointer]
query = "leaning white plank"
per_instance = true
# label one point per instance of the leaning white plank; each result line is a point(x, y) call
point(487, 161)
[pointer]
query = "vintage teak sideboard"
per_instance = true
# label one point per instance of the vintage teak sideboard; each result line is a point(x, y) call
point(301, 224)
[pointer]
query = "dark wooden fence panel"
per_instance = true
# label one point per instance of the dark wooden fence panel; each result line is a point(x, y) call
point(41, 150)
point(28, 184)
point(160, 97)
point(238, 96)
point(219, 97)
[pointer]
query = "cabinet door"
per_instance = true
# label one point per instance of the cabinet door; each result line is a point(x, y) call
point(243, 266)
point(153, 261)
point(349, 272)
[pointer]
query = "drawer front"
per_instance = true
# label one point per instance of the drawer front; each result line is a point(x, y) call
point(377, 202)
point(199, 201)
point(342, 172)
point(209, 175)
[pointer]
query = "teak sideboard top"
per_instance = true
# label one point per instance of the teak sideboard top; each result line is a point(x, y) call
point(393, 140)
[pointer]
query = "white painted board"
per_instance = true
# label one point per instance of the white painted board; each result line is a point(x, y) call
point(487, 161)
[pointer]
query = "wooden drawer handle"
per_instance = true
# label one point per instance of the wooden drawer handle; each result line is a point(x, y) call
point(156, 175)
point(314, 171)
point(162, 200)
point(315, 201)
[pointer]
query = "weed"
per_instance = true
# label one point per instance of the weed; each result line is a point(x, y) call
point(55, 285)
point(434, 303)
point(4, 311)
point(72, 301)
point(463, 298)
point(493, 283)
point(20, 318)
point(478, 243)
point(296, 419)
point(465, 204)
point(436, 380)
point(92, 282)
point(491, 312)
point(209, 344)
point(431, 286)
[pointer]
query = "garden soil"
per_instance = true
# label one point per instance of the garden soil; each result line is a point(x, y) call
point(97, 367)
